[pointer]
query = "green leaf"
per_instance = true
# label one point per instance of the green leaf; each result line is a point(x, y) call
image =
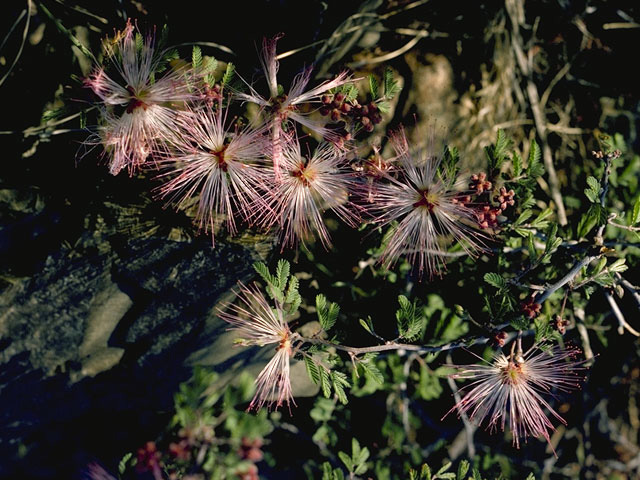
point(593, 190)
point(596, 215)
point(367, 324)
point(209, 65)
point(370, 369)
point(373, 86)
point(429, 386)
point(391, 87)
point(531, 476)
point(523, 217)
point(409, 321)
point(443, 469)
point(282, 273)
point(228, 74)
point(635, 215)
point(495, 280)
point(534, 167)
point(463, 468)
point(541, 219)
point(196, 57)
point(476, 474)
point(542, 328)
point(122, 466)
point(384, 107)
point(618, 265)
point(312, 369)
point(339, 382)
point(139, 39)
point(327, 312)
point(292, 297)
point(324, 382)
point(425, 472)
point(346, 459)
point(516, 161)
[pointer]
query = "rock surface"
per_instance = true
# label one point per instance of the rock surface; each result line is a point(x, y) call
point(94, 346)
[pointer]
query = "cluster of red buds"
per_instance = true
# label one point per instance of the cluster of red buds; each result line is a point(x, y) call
point(530, 308)
point(149, 459)
point(499, 338)
point(486, 213)
point(250, 449)
point(211, 95)
point(479, 183)
point(488, 216)
point(561, 324)
point(505, 198)
point(337, 107)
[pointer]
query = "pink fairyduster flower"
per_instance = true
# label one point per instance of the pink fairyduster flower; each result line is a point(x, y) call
point(283, 108)
point(261, 323)
point(425, 200)
point(307, 188)
point(137, 108)
point(512, 386)
point(218, 164)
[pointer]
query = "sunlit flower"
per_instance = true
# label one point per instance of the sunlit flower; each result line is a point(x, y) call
point(216, 163)
point(137, 108)
point(308, 187)
point(282, 108)
point(512, 387)
point(426, 202)
point(260, 323)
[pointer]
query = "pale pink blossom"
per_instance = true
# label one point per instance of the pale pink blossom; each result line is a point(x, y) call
point(512, 387)
point(138, 109)
point(308, 187)
point(260, 322)
point(283, 108)
point(218, 164)
point(425, 200)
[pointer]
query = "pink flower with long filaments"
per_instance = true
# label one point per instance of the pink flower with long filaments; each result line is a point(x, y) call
point(308, 187)
point(284, 107)
point(425, 200)
point(221, 165)
point(137, 108)
point(512, 387)
point(261, 323)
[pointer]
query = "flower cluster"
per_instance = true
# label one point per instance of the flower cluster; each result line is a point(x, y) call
point(228, 171)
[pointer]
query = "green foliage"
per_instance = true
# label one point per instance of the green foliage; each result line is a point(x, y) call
point(281, 286)
point(229, 74)
point(410, 320)
point(373, 86)
point(356, 463)
point(497, 153)
point(593, 190)
point(327, 312)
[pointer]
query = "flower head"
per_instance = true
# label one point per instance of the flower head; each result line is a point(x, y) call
point(513, 387)
point(137, 108)
point(425, 200)
point(261, 323)
point(309, 186)
point(285, 107)
point(218, 164)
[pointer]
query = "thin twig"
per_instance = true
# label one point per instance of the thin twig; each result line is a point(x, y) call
point(468, 426)
point(514, 6)
point(575, 270)
point(622, 322)
point(22, 43)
